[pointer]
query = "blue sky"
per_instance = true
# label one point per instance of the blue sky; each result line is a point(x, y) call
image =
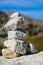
point(33, 8)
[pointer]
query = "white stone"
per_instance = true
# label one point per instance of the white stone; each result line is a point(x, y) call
point(14, 15)
point(16, 46)
point(14, 23)
point(10, 44)
point(16, 34)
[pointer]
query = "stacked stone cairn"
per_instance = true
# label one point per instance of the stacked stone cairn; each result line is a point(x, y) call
point(14, 46)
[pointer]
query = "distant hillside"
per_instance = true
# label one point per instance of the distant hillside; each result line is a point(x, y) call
point(33, 27)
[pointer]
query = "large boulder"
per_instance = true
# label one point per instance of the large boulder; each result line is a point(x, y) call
point(16, 46)
point(20, 46)
point(9, 54)
point(16, 34)
point(34, 59)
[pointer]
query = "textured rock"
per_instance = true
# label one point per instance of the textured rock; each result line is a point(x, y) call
point(33, 48)
point(10, 44)
point(16, 34)
point(14, 15)
point(34, 59)
point(9, 54)
point(19, 46)
point(16, 45)
point(14, 23)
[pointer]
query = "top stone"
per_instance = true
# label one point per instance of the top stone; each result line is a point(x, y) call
point(15, 22)
point(14, 15)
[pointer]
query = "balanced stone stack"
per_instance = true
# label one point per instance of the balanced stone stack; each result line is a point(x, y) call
point(14, 46)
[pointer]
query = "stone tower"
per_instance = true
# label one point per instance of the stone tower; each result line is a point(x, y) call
point(14, 44)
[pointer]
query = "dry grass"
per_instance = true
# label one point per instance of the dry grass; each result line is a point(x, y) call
point(38, 42)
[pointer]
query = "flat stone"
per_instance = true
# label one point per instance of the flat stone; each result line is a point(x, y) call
point(16, 34)
point(16, 46)
point(9, 54)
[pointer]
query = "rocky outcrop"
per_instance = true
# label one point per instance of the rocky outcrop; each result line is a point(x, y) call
point(35, 59)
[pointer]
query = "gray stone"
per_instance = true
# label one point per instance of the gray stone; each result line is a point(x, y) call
point(21, 47)
point(16, 34)
point(32, 49)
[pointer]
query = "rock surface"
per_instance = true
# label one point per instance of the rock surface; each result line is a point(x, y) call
point(14, 23)
point(16, 34)
point(35, 59)
point(19, 46)
point(14, 15)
